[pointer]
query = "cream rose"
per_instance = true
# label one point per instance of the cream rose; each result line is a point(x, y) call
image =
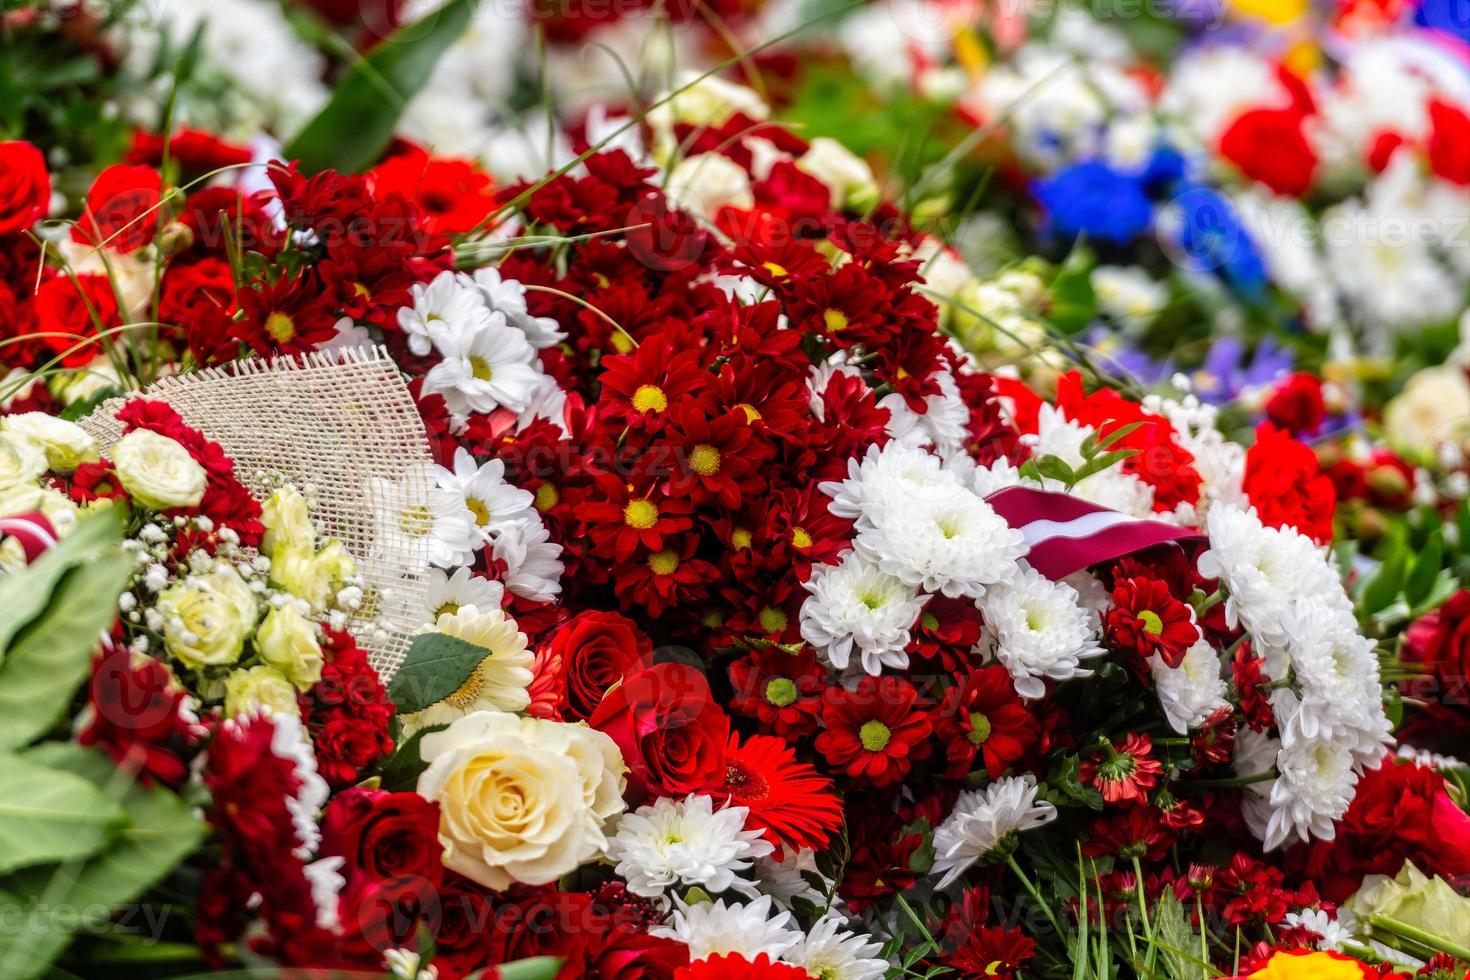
point(287, 641)
point(1433, 408)
point(260, 690)
point(706, 182)
point(66, 444)
point(157, 472)
point(207, 618)
point(709, 101)
point(520, 799)
point(22, 460)
point(287, 522)
point(311, 576)
point(847, 176)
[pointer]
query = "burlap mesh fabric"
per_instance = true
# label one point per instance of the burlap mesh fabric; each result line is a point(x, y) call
point(342, 427)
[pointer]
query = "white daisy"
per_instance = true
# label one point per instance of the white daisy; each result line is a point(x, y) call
point(1037, 628)
point(856, 604)
point(710, 928)
point(447, 593)
point(495, 504)
point(445, 302)
point(532, 560)
point(509, 297)
point(1332, 934)
point(483, 369)
point(686, 842)
point(1190, 692)
point(984, 820)
point(418, 523)
point(832, 952)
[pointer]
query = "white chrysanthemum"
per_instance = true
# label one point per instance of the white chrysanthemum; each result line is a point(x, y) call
point(1000, 474)
point(1315, 784)
point(710, 928)
point(289, 742)
point(1255, 755)
point(943, 424)
point(983, 820)
point(855, 604)
point(448, 300)
point(1336, 670)
point(881, 479)
point(509, 297)
point(495, 504)
point(532, 560)
point(1263, 570)
point(1037, 628)
point(483, 369)
point(945, 540)
point(448, 593)
point(786, 876)
point(686, 842)
point(832, 952)
point(1190, 692)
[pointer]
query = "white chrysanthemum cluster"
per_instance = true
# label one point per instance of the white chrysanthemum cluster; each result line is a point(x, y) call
point(757, 928)
point(1037, 629)
point(1329, 712)
point(686, 843)
point(919, 529)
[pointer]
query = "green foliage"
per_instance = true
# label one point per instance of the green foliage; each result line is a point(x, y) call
point(356, 125)
point(436, 665)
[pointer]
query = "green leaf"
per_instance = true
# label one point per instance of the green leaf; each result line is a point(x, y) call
point(46, 815)
point(1074, 302)
point(24, 594)
point(401, 771)
point(535, 968)
point(1121, 432)
point(1420, 581)
point(1054, 467)
point(437, 664)
point(357, 123)
point(159, 833)
point(1380, 590)
point(51, 655)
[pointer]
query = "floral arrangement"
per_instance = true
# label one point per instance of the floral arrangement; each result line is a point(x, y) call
point(801, 598)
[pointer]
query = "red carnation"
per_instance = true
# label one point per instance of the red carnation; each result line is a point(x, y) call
point(597, 650)
point(1145, 619)
point(1296, 405)
point(1285, 483)
point(454, 195)
point(1268, 145)
point(733, 966)
point(25, 187)
point(139, 717)
point(874, 732)
point(1449, 142)
point(669, 729)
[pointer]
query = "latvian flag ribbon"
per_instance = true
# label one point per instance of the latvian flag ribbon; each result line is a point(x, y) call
point(32, 530)
point(1067, 534)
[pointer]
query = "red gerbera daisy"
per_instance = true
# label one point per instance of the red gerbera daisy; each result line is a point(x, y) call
point(793, 805)
point(733, 966)
point(1123, 773)
point(984, 717)
point(1146, 620)
point(874, 733)
point(454, 195)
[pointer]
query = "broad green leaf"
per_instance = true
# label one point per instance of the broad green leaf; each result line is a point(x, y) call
point(51, 656)
point(357, 123)
point(25, 593)
point(1384, 586)
point(437, 664)
point(47, 815)
point(159, 833)
point(535, 968)
point(1420, 581)
point(1074, 302)
point(401, 771)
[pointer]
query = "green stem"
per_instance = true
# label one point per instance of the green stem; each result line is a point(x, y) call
point(1036, 895)
point(1416, 935)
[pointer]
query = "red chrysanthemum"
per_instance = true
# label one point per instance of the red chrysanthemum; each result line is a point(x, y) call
point(781, 691)
point(1126, 772)
point(983, 717)
point(874, 733)
point(1146, 620)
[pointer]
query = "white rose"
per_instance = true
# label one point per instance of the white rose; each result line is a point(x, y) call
point(709, 102)
point(22, 460)
point(1433, 408)
point(848, 177)
point(157, 472)
point(520, 799)
point(706, 182)
point(66, 444)
point(206, 619)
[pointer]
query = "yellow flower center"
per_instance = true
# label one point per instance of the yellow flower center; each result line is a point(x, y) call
point(772, 620)
point(800, 539)
point(640, 514)
point(834, 320)
point(751, 413)
point(480, 369)
point(280, 327)
point(781, 691)
point(704, 459)
point(650, 398)
point(979, 729)
point(1152, 624)
point(874, 735)
point(447, 609)
point(663, 562)
point(740, 538)
point(478, 508)
point(547, 497)
point(776, 269)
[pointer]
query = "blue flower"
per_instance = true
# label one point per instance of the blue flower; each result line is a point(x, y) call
point(1091, 198)
point(1209, 238)
point(1451, 17)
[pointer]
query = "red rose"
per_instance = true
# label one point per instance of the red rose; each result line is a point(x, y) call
point(1285, 483)
point(1439, 643)
point(1449, 142)
point(1268, 146)
point(597, 649)
point(64, 314)
point(199, 299)
point(122, 209)
point(670, 731)
point(384, 835)
point(25, 186)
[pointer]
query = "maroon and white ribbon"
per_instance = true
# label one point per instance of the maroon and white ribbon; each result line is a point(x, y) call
point(32, 530)
point(1067, 534)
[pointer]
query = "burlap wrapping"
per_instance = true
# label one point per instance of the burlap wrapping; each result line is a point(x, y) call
point(342, 427)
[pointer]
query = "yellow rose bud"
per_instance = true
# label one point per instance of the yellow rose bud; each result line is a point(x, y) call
point(208, 617)
point(157, 472)
point(287, 522)
point(287, 641)
point(66, 444)
point(259, 689)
